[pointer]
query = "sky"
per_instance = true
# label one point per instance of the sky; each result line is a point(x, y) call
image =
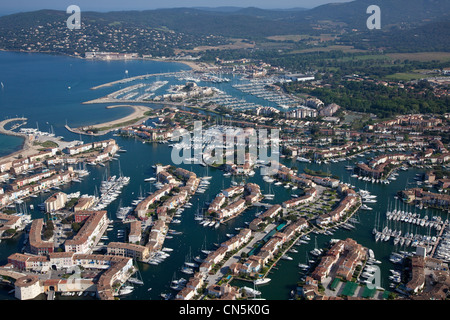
point(7, 6)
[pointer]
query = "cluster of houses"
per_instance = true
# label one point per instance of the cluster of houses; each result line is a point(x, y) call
point(425, 271)
point(225, 291)
point(220, 292)
point(43, 257)
point(350, 200)
point(148, 133)
point(117, 270)
point(186, 91)
point(28, 185)
point(413, 120)
point(25, 187)
point(234, 200)
point(41, 252)
point(426, 198)
point(343, 256)
point(95, 224)
point(271, 248)
point(309, 196)
point(245, 168)
point(164, 211)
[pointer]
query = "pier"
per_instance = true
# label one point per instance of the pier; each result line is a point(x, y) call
point(145, 76)
point(10, 132)
point(439, 238)
point(26, 144)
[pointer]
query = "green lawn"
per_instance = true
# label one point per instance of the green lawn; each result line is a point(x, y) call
point(408, 76)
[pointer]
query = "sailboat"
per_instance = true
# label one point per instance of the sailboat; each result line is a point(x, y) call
point(189, 265)
point(204, 250)
point(137, 279)
point(198, 216)
point(305, 266)
point(316, 251)
point(270, 195)
point(126, 290)
point(251, 291)
point(206, 177)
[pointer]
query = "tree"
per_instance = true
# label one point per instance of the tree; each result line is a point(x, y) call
point(76, 226)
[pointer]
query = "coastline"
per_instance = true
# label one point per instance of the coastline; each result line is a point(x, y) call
point(26, 144)
point(194, 65)
point(138, 116)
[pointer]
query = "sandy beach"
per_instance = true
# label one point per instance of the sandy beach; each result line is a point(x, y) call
point(136, 117)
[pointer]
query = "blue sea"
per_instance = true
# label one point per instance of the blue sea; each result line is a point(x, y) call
point(49, 89)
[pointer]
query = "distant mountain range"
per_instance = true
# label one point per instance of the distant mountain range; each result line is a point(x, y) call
point(421, 18)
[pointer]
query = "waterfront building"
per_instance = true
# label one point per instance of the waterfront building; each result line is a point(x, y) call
point(255, 224)
point(55, 202)
point(253, 192)
point(185, 294)
point(426, 198)
point(135, 234)
point(130, 250)
point(185, 174)
point(92, 146)
point(238, 240)
point(417, 281)
point(310, 290)
point(272, 212)
point(309, 196)
point(217, 203)
point(345, 255)
point(350, 199)
point(143, 206)
point(233, 191)
point(89, 234)
point(84, 203)
point(5, 166)
point(36, 244)
point(233, 209)
point(18, 183)
point(224, 290)
point(27, 287)
point(8, 221)
point(110, 55)
point(166, 178)
point(252, 265)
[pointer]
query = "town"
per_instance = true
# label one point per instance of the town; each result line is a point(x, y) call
point(326, 205)
point(276, 154)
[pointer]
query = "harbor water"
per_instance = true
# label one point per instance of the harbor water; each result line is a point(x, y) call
point(49, 104)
